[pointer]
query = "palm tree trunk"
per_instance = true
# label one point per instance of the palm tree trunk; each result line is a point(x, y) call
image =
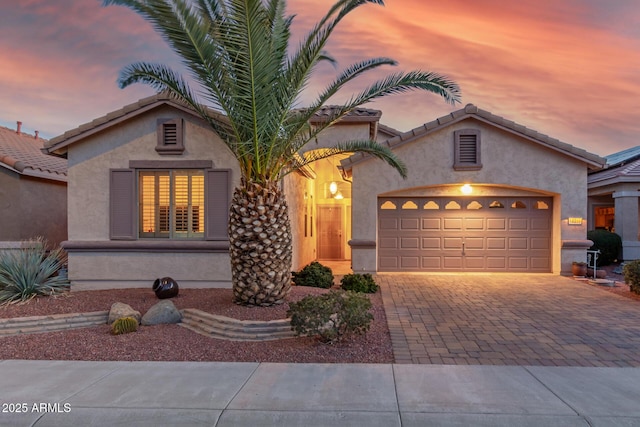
point(260, 244)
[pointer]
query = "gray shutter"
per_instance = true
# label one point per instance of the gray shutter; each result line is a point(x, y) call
point(122, 202)
point(218, 195)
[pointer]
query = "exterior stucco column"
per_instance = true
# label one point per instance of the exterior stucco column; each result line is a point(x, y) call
point(626, 222)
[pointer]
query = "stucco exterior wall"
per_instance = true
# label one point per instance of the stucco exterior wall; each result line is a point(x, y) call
point(32, 207)
point(299, 192)
point(509, 164)
point(89, 162)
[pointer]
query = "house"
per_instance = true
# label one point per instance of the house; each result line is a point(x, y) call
point(483, 194)
point(33, 190)
point(614, 197)
point(149, 187)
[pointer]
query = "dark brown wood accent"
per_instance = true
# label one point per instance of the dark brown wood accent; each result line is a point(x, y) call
point(122, 204)
point(217, 198)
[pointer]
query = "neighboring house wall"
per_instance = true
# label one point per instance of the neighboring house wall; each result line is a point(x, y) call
point(97, 261)
point(32, 207)
point(510, 166)
point(33, 191)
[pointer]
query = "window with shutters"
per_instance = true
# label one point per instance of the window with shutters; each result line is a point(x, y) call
point(170, 137)
point(467, 149)
point(171, 204)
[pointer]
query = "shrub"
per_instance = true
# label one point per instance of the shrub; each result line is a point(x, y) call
point(31, 271)
point(331, 316)
point(609, 244)
point(359, 283)
point(124, 325)
point(314, 274)
point(632, 275)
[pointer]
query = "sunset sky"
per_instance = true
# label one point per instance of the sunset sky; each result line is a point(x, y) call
point(566, 68)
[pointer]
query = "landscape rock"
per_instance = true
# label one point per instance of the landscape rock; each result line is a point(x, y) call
point(164, 312)
point(119, 310)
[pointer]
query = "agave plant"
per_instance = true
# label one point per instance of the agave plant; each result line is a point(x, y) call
point(238, 53)
point(31, 271)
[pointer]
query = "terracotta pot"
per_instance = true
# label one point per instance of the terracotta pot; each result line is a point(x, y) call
point(579, 269)
point(165, 288)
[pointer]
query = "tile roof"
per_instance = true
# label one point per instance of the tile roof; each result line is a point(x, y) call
point(471, 111)
point(357, 115)
point(23, 154)
point(58, 144)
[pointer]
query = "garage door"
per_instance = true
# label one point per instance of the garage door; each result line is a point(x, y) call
point(464, 234)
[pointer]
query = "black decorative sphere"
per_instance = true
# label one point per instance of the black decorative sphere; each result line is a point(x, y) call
point(165, 288)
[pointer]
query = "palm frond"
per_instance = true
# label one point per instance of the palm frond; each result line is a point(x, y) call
point(238, 52)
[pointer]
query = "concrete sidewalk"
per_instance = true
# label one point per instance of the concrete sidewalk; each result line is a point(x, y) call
point(63, 393)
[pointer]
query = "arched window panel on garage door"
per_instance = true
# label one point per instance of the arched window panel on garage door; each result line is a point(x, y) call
point(431, 205)
point(388, 205)
point(409, 204)
point(541, 205)
point(452, 205)
point(474, 205)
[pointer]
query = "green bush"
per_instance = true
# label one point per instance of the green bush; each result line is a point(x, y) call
point(331, 316)
point(359, 283)
point(609, 244)
point(632, 275)
point(314, 274)
point(31, 271)
point(124, 325)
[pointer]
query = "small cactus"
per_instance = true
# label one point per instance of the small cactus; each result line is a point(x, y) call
point(124, 325)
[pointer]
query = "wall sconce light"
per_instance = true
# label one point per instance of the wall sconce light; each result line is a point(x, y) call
point(333, 187)
point(466, 189)
point(575, 221)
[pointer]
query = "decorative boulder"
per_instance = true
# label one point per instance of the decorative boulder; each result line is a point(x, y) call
point(119, 310)
point(165, 288)
point(163, 312)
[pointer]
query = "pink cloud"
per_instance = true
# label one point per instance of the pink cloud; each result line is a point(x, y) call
point(567, 68)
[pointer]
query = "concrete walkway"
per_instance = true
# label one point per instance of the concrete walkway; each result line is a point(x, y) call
point(509, 319)
point(60, 393)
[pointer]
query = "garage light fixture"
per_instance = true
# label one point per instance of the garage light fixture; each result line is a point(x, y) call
point(466, 189)
point(575, 221)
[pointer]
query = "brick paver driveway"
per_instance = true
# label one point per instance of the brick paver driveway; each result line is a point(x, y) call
point(508, 319)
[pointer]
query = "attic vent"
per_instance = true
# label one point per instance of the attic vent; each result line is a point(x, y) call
point(467, 149)
point(170, 134)
point(170, 137)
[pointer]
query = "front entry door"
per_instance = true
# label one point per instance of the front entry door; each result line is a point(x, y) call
point(330, 232)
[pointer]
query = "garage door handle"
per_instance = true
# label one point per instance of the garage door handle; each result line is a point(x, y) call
point(462, 248)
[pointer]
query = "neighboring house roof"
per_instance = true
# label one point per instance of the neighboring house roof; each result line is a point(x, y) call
point(623, 166)
point(593, 161)
point(22, 153)
point(622, 172)
point(623, 156)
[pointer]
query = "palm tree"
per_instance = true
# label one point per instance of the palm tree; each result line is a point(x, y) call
point(237, 51)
